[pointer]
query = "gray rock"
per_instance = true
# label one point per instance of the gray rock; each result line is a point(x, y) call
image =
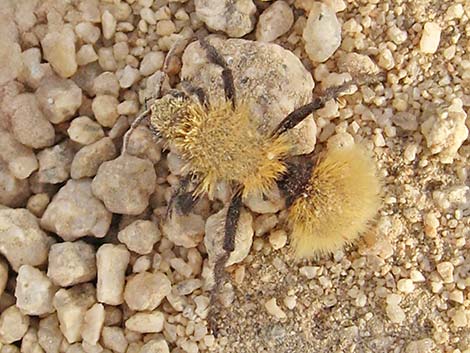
point(59, 98)
point(71, 263)
point(125, 184)
point(34, 291)
point(75, 212)
point(54, 163)
point(89, 158)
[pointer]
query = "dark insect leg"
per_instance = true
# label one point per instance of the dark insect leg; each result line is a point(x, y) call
point(230, 230)
point(197, 91)
point(298, 115)
point(181, 199)
point(214, 57)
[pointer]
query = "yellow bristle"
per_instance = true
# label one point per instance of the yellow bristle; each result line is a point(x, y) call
point(342, 197)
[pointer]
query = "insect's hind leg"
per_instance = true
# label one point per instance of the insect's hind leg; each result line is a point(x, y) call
point(227, 76)
point(299, 114)
point(230, 230)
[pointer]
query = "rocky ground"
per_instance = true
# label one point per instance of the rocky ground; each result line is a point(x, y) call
point(90, 264)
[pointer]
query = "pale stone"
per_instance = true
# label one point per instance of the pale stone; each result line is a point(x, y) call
point(446, 270)
point(275, 21)
point(25, 114)
point(71, 263)
point(430, 38)
point(22, 242)
point(106, 84)
point(155, 346)
point(145, 291)
point(75, 212)
point(92, 324)
point(146, 322)
point(59, 51)
point(13, 325)
point(59, 99)
point(236, 18)
point(85, 131)
point(71, 305)
point(105, 109)
point(108, 23)
point(184, 230)
point(152, 62)
point(125, 184)
point(140, 236)
point(322, 33)
point(215, 231)
point(21, 160)
point(111, 263)
point(49, 334)
point(34, 291)
point(114, 339)
point(273, 309)
point(54, 163)
point(88, 159)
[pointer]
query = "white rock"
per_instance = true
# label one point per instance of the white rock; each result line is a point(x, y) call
point(88, 159)
point(236, 18)
point(125, 184)
point(397, 35)
point(273, 309)
point(30, 343)
point(33, 70)
point(11, 67)
point(446, 270)
point(22, 242)
point(395, 313)
point(86, 55)
point(59, 98)
point(152, 62)
point(49, 335)
point(146, 322)
point(425, 345)
point(215, 232)
point(92, 324)
point(71, 305)
point(59, 51)
point(74, 212)
point(114, 339)
point(25, 114)
point(322, 33)
point(106, 84)
point(21, 159)
point(155, 346)
point(276, 20)
point(111, 263)
point(255, 85)
point(87, 32)
point(140, 236)
point(145, 291)
point(445, 131)
point(71, 263)
point(54, 163)
point(272, 202)
point(13, 325)
point(34, 291)
point(128, 76)
point(105, 109)
point(108, 23)
point(405, 285)
point(85, 130)
point(430, 38)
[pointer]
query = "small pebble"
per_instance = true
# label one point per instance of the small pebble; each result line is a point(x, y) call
point(108, 23)
point(145, 291)
point(105, 109)
point(150, 322)
point(430, 38)
point(278, 239)
point(59, 51)
point(140, 236)
point(446, 270)
point(405, 285)
point(13, 325)
point(273, 309)
point(92, 324)
point(275, 21)
point(84, 130)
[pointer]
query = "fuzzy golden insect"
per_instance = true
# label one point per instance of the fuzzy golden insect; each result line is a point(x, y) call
point(330, 203)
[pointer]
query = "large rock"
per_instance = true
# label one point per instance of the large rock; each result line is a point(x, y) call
point(125, 184)
point(260, 70)
point(74, 212)
point(22, 242)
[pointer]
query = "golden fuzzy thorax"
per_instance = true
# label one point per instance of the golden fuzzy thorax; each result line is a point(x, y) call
point(341, 198)
point(221, 144)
